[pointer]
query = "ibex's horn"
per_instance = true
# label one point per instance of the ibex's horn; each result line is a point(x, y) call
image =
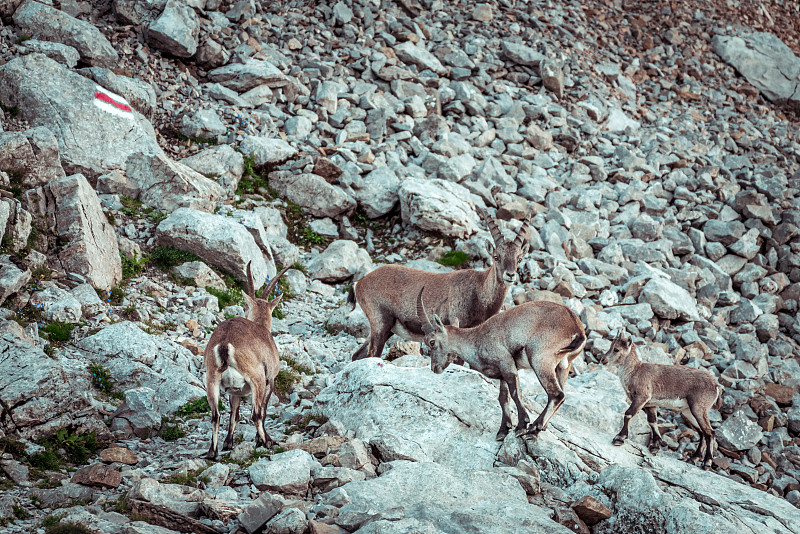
point(522, 235)
point(425, 321)
point(491, 225)
point(271, 285)
point(251, 287)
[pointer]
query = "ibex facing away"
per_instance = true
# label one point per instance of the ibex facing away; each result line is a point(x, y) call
point(543, 336)
point(650, 385)
point(242, 359)
point(387, 294)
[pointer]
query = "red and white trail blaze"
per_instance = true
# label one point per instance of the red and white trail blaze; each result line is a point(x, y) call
point(112, 103)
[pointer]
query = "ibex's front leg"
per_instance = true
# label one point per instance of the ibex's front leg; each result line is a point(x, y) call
point(505, 422)
point(555, 397)
point(261, 394)
point(636, 405)
point(656, 441)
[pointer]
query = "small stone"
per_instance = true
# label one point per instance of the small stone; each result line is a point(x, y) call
point(119, 454)
point(738, 433)
point(590, 510)
point(483, 13)
point(327, 169)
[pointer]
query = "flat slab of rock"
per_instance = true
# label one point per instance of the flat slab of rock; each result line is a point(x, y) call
point(341, 260)
point(119, 455)
point(221, 164)
point(267, 149)
point(765, 61)
point(669, 300)
point(738, 433)
point(452, 499)
point(242, 77)
point(218, 240)
point(590, 510)
point(44, 22)
point(286, 472)
point(93, 138)
point(98, 475)
point(260, 511)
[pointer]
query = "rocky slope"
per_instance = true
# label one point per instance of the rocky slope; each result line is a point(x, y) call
point(150, 149)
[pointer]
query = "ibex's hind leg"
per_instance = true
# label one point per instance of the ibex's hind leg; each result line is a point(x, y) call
point(379, 334)
point(656, 441)
point(636, 405)
point(555, 396)
point(362, 351)
point(523, 419)
point(694, 424)
point(701, 415)
point(212, 395)
point(235, 401)
point(505, 422)
point(260, 399)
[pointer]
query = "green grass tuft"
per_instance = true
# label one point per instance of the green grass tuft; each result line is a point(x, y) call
point(171, 431)
point(227, 297)
point(454, 258)
point(165, 258)
point(196, 409)
point(133, 266)
point(58, 331)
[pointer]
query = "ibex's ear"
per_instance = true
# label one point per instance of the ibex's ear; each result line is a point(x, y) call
point(274, 302)
point(526, 247)
point(490, 247)
point(248, 300)
point(455, 322)
point(438, 322)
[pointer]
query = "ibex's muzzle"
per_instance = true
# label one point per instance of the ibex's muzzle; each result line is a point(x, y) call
point(510, 277)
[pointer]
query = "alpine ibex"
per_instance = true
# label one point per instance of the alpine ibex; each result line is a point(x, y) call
point(387, 294)
point(690, 391)
point(241, 357)
point(543, 336)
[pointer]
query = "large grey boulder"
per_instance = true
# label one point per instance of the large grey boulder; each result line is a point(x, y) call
point(286, 472)
point(176, 30)
point(203, 123)
point(138, 12)
point(341, 260)
point(312, 193)
point(267, 149)
point(137, 359)
point(376, 193)
point(47, 23)
point(521, 54)
point(242, 77)
point(166, 185)
point(452, 499)
point(62, 53)
point(218, 240)
point(220, 163)
point(12, 278)
point(57, 304)
point(669, 300)
point(39, 395)
point(765, 61)
point(738, 433)
point(438, 206)
point(91, 139)
point(74, 214)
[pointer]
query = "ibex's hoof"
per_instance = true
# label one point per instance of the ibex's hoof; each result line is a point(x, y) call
point(211, 455)
point(653, 449)
point(501, 436)
point(708, 466)
point(618, 441)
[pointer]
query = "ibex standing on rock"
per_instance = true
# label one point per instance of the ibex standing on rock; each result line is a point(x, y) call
point(241, 357)
point(387, 294)
point(650, 385)
point(543, 336)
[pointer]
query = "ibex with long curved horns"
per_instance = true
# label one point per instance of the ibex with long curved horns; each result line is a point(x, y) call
point(242, 359)
point(543, 336)
point(387, 294)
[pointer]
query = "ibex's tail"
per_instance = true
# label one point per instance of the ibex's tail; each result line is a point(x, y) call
point(222, 357)
point(718, 403)
point(575, 346)
point(351, 297)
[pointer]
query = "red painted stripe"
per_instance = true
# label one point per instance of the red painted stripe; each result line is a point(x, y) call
point(108, 100)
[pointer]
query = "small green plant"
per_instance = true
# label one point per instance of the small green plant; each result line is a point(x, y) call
point(291, 362)
point(116, 294)
point(47, 460)
point(133, 266)
point(133, 207)
point(11, 110)
point(300, 267)
point(78, 447)
point(50, 350)
point(45, 483)
point(308, 236)
point(170, 430)
point(41, 273)
point(189, 478)
point(285, 381)
point(53, 525)
point(454, 258)
point(165, 258)
point(20, 512)
point(227, 297)
point(58, 332)
point(253, 181)
point(111, 219)
point(23, 37)
point(101, 378)
point(120, 505)
point(196, 409)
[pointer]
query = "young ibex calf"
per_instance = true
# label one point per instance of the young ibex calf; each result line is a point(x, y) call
point(542, 336)
point(387, 294)
point(241, 358)
point(690, 391)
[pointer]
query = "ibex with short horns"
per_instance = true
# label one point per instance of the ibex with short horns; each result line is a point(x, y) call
point(387, 294)
point(693, 392)
point(242, 359)
point(542, 336)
